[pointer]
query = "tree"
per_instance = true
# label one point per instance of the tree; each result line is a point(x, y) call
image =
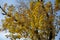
point(37, 22)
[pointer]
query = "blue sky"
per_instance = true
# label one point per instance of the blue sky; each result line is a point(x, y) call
point(2, 37)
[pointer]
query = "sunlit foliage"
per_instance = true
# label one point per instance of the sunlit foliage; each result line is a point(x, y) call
point(36, 22)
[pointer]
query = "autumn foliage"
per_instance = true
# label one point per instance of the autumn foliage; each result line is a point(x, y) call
point(36, 22)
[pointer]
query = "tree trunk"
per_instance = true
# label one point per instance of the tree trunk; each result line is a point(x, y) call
point(50, 36)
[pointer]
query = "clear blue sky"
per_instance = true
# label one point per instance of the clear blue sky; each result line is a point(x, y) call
point(2, 37)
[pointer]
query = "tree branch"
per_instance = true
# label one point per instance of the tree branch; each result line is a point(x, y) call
point(3, 11)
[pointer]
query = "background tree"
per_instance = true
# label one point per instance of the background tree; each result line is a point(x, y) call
point(38, 22)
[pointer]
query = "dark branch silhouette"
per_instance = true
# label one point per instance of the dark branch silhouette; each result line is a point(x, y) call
point(3, 11)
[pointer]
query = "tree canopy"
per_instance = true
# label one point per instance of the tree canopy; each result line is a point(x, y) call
point(37, 22)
